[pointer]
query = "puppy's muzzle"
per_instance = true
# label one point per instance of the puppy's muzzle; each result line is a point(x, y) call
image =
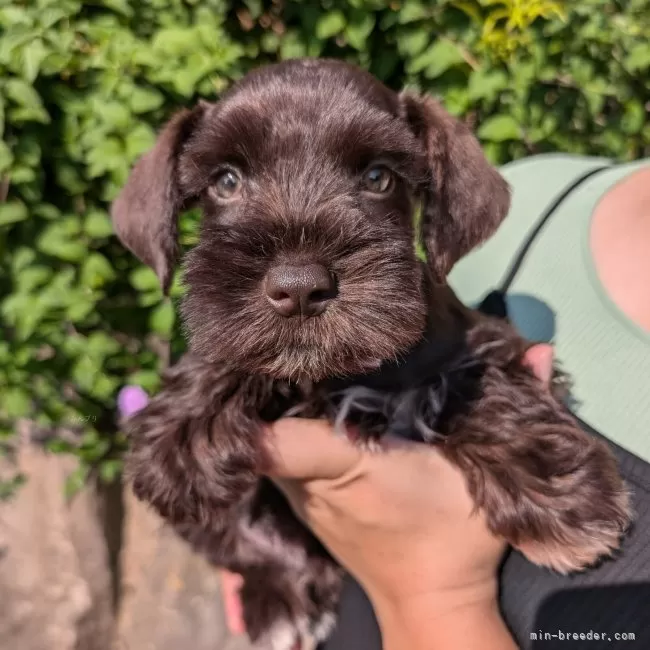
point(302, 290)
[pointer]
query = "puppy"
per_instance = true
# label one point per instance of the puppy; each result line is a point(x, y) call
point(306, 296)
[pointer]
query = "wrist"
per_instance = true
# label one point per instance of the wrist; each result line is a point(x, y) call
point(447, 619)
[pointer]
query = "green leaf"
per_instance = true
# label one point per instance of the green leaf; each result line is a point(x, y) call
point(143, 100)
point(292, 46)
point(411, 42)
point(58, 241)
point(15, 403)
point(113, 114)
point(100, 345)
point(413, 10)
point(330, 24)
point(33, 56)
point(120, 6)
point(32, 278)
point(138, 140)
point(12, 212)
point(638, 57)
point(359, 28)
point(96, 271)
point(437, 59)
point(58, 446)
point(79, 311)
point(98, 224)
point(148, 379)
point(486, 84)
point(144, 279)
point(84, 372)
point(22, 94)
point(162, 318)
point(110, 470)
point(500, 128)
point(22, 258)
point(6, 157)
point(634, 117)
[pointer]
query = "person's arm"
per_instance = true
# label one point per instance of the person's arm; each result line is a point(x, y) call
point(428, 624)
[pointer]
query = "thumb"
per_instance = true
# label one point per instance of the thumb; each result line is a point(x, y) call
point(308, 449)
point(539, 358)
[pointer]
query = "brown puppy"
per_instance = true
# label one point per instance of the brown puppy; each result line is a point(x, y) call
point(305, 296)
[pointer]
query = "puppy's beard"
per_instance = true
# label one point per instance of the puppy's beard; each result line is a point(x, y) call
point(378, 314)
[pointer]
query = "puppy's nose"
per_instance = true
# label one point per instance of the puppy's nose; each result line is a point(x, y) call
point(299, 290)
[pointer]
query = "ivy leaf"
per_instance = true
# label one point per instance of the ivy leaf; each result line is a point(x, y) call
point(634, 117)
point(31, 107)
point(12, 212)
point(144, 279)
point(15, 403)
point(96, 271)
point(33, 56)
point(162, 318)
point(638, 58)
point(500, 128)
point(144, 100)
point(411, 42)
point(437, 59)
point(330, 24)
point(114, 114)
point(138, 140)
point(6, 157)
point(110, 470)
point(359, 28)
point(412, 10)
point(98, 224)
point(486, 84)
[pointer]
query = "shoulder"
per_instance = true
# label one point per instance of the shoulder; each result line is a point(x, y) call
point(536, 183)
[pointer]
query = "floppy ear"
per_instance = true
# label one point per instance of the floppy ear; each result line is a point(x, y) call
point(467, 198)
point(145, 212)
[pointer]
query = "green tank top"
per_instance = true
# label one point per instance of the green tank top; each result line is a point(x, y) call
point(541, 258)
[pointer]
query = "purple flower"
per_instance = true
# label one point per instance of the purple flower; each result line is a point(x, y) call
point(130, 400)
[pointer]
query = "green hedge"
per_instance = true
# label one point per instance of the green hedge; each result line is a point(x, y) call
point(85, 85)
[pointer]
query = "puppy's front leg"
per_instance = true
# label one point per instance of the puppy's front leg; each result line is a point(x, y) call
point(195, 447)
point(550, 489)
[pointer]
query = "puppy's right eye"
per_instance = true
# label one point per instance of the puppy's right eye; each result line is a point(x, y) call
point(378, 180)
point(227, 185)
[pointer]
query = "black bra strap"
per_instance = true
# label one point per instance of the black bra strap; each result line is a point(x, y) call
point(521, 255)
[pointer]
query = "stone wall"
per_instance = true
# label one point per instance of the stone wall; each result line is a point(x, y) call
point(100, 572)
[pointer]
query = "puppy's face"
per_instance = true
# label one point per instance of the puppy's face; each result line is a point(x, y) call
point(308, 174)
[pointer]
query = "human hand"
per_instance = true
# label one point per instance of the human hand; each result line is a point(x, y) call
point(400, 520)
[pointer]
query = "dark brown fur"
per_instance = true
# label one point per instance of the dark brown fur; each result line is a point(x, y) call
point(394, 351)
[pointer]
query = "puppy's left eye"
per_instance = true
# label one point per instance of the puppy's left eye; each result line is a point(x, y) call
point(378, 180)
point(227, 185)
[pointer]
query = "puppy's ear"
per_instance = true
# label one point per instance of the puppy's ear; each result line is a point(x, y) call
point(467, 198)
point(145, 212)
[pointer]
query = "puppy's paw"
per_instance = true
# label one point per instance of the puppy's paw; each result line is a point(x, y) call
point(568, 548)
point(283, 635)
point(565, 519)
point(193, 451)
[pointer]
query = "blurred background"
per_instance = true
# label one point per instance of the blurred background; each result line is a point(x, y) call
point(84, 87)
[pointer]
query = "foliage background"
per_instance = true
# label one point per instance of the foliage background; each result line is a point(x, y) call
point(84, 85)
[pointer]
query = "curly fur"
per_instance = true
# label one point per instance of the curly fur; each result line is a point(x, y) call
point(394, 352)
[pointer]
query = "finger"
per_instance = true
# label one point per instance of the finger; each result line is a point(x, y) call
point(539, 358)
point(308, 449)
point(230, 585)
